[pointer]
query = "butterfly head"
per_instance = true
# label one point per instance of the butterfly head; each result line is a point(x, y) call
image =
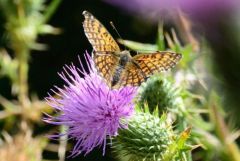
point(124, 57)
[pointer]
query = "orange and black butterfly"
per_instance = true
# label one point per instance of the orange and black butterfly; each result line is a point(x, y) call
point(118, 67)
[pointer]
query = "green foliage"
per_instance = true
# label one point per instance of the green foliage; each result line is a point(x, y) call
point(137, 46)
point(167, 105)
point(185, 102)
point(160, 38)
point(8, 66)
point(25, 20)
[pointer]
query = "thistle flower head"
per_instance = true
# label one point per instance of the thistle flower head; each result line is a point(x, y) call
point(161, 8)
point(90, 109)
point(150, 138)
point(157, 91)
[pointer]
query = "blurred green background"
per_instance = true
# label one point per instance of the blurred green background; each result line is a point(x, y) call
point(220, 34)
point(65, 48)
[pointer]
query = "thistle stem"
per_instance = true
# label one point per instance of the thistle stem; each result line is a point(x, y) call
point(223, 134)
point(50, 10)
point(23, 77)
point(22, 56)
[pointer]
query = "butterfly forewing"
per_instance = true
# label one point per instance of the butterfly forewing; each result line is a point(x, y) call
point(98, 35)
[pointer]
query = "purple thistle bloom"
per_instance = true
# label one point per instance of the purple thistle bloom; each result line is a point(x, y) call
point(90, 109)
point(154, 9)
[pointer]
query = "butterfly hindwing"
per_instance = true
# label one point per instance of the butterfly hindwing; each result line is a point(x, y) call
point(144, 65)
point(106, 64)
point(131, 75)
point(151, 63)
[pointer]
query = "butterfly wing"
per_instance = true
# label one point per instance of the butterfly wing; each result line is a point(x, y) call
point(98, 35)
point(156, 62)
point(103, 44)
point(106, 64)
point(144, 65)
point(131, 75)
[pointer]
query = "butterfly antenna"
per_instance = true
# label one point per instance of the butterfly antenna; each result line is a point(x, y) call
point(114, 28)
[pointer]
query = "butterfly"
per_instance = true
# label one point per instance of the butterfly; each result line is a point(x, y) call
point(118, 67)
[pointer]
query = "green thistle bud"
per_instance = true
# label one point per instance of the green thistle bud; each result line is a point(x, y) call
point(147, 138)
point(159, 92)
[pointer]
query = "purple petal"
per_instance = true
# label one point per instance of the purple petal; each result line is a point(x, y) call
point(92, 111)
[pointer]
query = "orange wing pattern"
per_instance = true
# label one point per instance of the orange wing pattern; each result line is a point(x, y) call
point(137, 68)
point(106, 64)
point(131, 75)
point(98, 35)
point(145, 65)
point(103, 44)
point(156, 62)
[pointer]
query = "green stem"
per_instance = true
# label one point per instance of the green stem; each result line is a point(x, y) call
point(23, 77)
point(22, 56)
point(50, 10)
point(223, 133)
point(22, 51)
point(63, 144)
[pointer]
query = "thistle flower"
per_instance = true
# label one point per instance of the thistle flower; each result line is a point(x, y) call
point(92, 111)
point(150, 138)
point(157, 91)
point(162, 8)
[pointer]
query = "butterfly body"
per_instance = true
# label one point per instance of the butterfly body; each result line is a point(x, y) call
point(118, 67)
point(124, 59)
